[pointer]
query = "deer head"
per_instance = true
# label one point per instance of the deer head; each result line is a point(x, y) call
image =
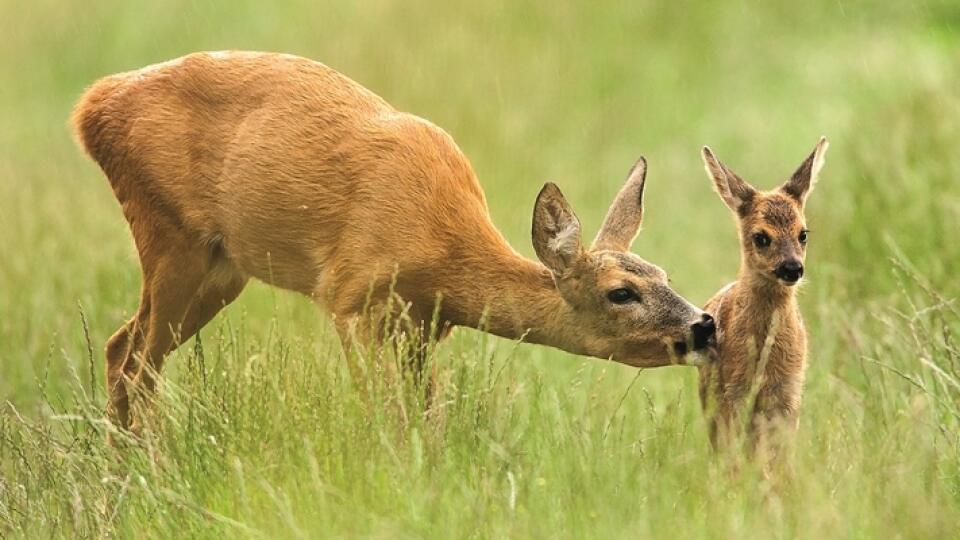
point(773, 232)
point(623, 306)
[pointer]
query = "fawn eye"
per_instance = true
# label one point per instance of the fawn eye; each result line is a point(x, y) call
point(761, 239)
point(622, 296)
point(803, 236)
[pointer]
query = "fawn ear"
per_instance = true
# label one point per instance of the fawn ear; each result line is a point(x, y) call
point(734, 191)
point(801, 183)
point(556, 230)
point(625, 215)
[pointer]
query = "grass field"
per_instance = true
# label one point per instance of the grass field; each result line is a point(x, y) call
point(260, 432)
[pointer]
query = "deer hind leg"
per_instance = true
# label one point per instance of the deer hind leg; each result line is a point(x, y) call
point(216, 292)
point(118, 350)
point(135, 353)
point(175, 325)
point(185, 283)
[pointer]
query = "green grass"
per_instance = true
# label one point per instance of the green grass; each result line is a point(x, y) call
point(260, 433)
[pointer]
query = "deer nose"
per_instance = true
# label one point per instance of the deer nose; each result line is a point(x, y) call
point(703, 332)
point(790, 271)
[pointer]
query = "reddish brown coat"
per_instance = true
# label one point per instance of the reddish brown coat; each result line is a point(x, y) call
point(237, 165)
point(757, 377)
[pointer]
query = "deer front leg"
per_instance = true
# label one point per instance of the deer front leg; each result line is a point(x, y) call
point(725, 424)
point(402, 331)
point(722, 407)
point(774, 422)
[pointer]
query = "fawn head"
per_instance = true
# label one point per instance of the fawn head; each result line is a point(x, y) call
point(623, 305)
point(773, 233)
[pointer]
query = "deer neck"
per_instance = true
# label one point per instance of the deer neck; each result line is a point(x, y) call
point(508, 295)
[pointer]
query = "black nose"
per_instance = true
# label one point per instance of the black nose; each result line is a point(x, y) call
point(790, 271)
point(703, 332)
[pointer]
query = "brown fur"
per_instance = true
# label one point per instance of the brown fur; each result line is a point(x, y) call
point(761, 340)
point(237, 165)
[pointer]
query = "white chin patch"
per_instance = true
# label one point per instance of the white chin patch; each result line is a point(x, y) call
point(697, 358)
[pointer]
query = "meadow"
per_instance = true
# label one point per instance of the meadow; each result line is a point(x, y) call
point(260, 431)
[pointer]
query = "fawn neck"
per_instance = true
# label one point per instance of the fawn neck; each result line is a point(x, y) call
point(759, 297)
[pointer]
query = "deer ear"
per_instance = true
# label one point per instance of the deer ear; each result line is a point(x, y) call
point(734, 191)
point(556, 230)
point(801, 183)
point(625, 215)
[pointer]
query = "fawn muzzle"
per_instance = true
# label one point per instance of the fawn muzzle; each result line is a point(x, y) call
point(789, 272)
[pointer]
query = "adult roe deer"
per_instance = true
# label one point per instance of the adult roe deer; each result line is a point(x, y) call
point(761, 341)
point(233, 165)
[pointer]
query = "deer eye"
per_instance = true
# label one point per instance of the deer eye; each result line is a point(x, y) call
point(803, 236)
point(761, 239)
point(622, 296)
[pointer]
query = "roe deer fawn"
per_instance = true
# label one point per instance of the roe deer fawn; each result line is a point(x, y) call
point(761, 341)
point(231, 165)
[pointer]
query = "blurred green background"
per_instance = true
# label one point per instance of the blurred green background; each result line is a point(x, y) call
point(572, 93)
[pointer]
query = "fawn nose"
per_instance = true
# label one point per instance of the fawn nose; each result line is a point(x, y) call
point(790, 271)
point(704, 331)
